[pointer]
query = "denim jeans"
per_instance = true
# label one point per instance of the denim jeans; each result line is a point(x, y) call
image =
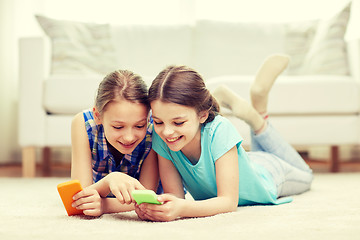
point(290, 172)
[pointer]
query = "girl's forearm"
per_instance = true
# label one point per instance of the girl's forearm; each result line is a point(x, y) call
point(208, 207)
point(112, 205)
point(102, 187)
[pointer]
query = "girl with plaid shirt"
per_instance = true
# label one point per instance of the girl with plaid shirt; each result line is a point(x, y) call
point(112, 143)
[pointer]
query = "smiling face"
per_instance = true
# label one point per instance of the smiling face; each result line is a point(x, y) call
point(178, 126)
point(125, 124)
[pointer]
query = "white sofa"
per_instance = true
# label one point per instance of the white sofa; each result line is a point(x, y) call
point(315, 102)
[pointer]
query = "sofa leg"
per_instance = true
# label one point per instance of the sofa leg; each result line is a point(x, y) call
point(46, 161)
point(334, 159)
point(28, 162)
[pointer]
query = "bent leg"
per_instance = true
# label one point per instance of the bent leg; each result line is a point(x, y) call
point(239, 106)
point(272, 142)
point(268, 72)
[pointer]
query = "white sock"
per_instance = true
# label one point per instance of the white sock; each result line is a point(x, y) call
point(239, 106)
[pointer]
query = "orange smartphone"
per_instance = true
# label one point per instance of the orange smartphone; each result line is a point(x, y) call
point(67, 190)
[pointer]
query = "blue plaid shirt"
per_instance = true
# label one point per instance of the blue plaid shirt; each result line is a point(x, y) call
point(103, 161)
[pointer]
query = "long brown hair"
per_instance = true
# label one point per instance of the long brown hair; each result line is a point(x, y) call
point(121, 84)
point(183, 85)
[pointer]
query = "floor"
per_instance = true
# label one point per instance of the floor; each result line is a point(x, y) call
point(57, 170)
point(31, 209)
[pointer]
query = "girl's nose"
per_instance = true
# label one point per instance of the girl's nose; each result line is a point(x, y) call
point(168, 131)
point(129, 136)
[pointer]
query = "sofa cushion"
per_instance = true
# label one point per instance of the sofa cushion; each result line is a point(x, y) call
point(327, 53)
point(238, 48)
point(147, 49)
point(79, 48)
point(298, 38)
point(227, 48)
point(293, 95)
point(69, 95)
point(212, 47)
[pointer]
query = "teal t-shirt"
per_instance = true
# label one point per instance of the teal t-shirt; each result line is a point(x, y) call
point(218, 137)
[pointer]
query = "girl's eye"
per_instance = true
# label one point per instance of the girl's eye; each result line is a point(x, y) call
point(179, 123)
point(116, 127)
point(157, 123)
point(140, 126)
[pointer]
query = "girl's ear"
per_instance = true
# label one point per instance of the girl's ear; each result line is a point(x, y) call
point(97, 116)
point(203, 115)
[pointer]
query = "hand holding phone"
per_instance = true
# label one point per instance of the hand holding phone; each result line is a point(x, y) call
point(67, 190)
point(145, 196)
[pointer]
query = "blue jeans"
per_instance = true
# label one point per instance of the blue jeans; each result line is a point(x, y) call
point(290, 172)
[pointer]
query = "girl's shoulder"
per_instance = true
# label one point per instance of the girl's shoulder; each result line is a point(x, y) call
point(89, 120)
point(83, 118)
point(88, 114)
point(219, 136)
point(220, 128)
point(218, 122)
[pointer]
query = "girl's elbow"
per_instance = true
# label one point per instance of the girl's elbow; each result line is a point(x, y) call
point(232, 205)
point(229, 203)
point(230, 208)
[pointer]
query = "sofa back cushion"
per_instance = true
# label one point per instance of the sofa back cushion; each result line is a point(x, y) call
point(147, 49)
point(327, 53)
point(214, 48)
point(78, 48)
point(238, 48)
point(234, 48)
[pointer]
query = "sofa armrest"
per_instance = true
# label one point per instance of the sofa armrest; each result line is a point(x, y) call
point(353, 50)
point(31, 76)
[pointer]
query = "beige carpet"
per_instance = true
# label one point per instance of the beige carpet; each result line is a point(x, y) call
point(32, 209)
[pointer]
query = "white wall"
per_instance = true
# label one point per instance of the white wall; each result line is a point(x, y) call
point(16, 20)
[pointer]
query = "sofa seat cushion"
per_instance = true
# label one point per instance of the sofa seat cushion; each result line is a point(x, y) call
point(291, 95)
point(310, 94)
point(68, 95)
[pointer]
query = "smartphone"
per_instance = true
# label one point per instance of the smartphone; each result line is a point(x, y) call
point(145, 196)
point(66, 191)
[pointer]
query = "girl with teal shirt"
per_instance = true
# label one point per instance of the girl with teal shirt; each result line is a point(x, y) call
point(201, 150)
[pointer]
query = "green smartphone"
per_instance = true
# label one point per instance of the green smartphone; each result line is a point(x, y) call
point(145, 196)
